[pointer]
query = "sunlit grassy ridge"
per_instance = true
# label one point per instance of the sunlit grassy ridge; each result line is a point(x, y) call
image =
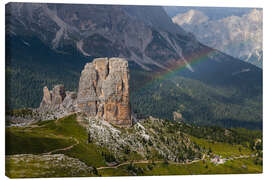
point(50, 135)
point(60, 148)
point(20, 140)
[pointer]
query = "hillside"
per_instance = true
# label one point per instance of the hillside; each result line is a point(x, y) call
point(155, 47)
point(150, 147)
point(198, 103)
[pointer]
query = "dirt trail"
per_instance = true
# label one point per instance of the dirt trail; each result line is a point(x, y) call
point(170, 162)
point(146, 161)
point(62, 149)
point(133, 162)
point(128, 162)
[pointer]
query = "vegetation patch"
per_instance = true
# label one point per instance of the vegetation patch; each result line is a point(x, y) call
point(48, 148)
point(223, 149)
point(37, 166)
point(47, 136)
point(239, 166)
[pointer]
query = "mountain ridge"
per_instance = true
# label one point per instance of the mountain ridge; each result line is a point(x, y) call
point(153, 50)
point(239, 36)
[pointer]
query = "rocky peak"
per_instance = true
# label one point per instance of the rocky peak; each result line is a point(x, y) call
point(101, 30)
point(58, 99)
point(238, 36)
point(255, 15)
point(190, 17)
point(47, 97)
point(58, 94)
point(52, 99)
point(104, 91)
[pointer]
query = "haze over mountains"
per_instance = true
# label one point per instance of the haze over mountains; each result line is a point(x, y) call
point(237, 33)
point(214, 13)
point(48, 44)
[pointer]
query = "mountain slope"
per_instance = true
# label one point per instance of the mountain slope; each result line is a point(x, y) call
point(62, 147)
point(94, 30)
point(198, 103)
point(49, 44)
point(239, 36)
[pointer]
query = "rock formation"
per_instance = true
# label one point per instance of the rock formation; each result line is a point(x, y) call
point(70, 101)
point(177, 116)
point(58, 99)
point(104, 91)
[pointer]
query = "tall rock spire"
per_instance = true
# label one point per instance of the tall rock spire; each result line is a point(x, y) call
point(104, 91)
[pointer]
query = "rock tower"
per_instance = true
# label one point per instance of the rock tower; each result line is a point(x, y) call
point(58, 99)
point(53, 99)
point(104, 91)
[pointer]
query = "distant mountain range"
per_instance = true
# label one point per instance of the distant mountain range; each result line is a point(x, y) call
point(213, 13)
point(237, 34)
point(48, 44)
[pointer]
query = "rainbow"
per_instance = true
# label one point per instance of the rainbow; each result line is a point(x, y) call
point(177, 66)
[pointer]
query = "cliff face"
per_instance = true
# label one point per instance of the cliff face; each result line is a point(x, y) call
point(238, 36)
point(130, 32)
point(103, 93)
point(104, 90)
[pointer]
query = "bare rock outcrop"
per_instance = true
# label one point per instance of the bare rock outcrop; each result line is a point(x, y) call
point(70, 101)
point(53, 99)
point(58, 100)
point(177, 116)
point(58, 95)
point(104, 91)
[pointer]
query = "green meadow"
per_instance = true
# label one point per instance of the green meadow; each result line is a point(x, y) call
point(59, 148)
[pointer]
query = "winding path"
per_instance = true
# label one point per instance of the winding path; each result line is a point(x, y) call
point(62, 149)
point(170, 162)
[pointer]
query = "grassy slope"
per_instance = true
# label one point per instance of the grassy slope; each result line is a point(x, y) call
point(222, 149)
point(239, 166)
point(198, 102)
point(49, 135)
point(36, 166)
